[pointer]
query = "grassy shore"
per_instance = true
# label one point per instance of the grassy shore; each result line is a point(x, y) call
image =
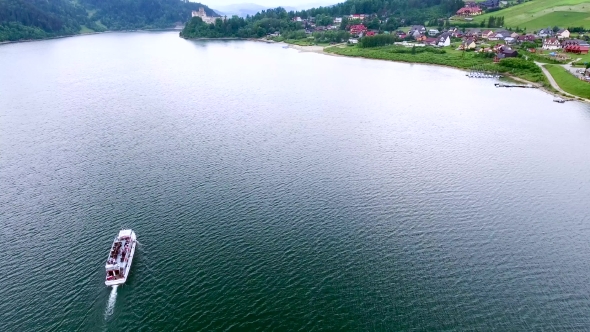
point(450, 57)
point(568, 82)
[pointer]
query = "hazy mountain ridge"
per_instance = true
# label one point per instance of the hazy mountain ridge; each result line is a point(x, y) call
point(244, 9)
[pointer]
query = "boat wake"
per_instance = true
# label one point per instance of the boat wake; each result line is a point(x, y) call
point(111, 304)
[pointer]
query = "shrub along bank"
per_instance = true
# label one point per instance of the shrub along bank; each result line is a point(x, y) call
point(518, 67)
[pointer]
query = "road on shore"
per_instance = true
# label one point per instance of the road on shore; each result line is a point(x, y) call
point(554, 83)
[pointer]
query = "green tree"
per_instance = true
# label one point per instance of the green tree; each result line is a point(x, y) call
point(344, 23)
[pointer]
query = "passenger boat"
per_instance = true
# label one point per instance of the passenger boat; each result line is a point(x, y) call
point(120, 257)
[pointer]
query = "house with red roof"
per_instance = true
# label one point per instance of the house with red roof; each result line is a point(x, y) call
point(469, 11)
point(358, 29)
point(577, 49)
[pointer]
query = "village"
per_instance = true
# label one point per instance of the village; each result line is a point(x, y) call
point(556, 45)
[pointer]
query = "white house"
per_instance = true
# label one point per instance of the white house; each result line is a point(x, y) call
point(444, 39)
point(338, 20)
point(563, 34)
point(433, 32)
point(551, 44)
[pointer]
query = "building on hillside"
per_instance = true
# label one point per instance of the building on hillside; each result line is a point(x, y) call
point(488, 4)
point(337, 20)
point(577, 49)
point(526, 38)
point(486, 34)
point(577, 46)
point(467, 44)
point(415, 34)
point(370, 33)
point(458, 34)
point(506, 52)
point(469, 11)
point(357, 17)
point(297, 19)
point(544, 33)
point(444, 39)
point(433, 32)
point(474, 32)
point(502, 34)
point(201, 13)
point(563, 34)
point(509, 40)
point(420, 28)
point(358, 30)
point(420, 38)
point(551, 44)
point(574, 42)
point(431, 41)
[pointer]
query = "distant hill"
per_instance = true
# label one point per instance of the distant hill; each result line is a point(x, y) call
point(537, 14)
point(36, 19)
point(240, 9)
point(244, 9)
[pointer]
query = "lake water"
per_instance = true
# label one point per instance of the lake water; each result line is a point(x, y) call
point(277, 190)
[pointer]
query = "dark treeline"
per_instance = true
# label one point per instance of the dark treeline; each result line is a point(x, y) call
point(385, 15)
point(39, 18)
point(576, 29)
point(138, 14)
point(34, 19)
point(493, 22)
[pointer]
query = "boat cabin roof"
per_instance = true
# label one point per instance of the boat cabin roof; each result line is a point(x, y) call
point(124, 233)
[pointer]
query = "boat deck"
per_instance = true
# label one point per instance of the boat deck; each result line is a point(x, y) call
point(118, 254)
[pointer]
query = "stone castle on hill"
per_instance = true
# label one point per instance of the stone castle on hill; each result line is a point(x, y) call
point(201, 13)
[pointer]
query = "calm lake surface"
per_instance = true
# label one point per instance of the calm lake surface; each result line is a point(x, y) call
point(277, 190)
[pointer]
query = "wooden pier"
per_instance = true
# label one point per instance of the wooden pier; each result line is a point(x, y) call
point(506, 85)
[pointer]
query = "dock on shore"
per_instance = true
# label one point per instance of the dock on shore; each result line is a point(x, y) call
point(506, 85)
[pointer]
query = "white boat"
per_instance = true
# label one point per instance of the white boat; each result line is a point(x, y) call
point(120, 257)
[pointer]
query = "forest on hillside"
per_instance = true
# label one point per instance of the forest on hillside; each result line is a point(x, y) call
point(36, 19)
point(386, 15)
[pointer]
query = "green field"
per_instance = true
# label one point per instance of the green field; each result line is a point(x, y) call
point(537, 14)
point(568, 82)
point(560, 19)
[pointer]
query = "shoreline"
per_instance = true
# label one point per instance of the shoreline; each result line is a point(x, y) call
point(8, 42)
point(321, 50)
